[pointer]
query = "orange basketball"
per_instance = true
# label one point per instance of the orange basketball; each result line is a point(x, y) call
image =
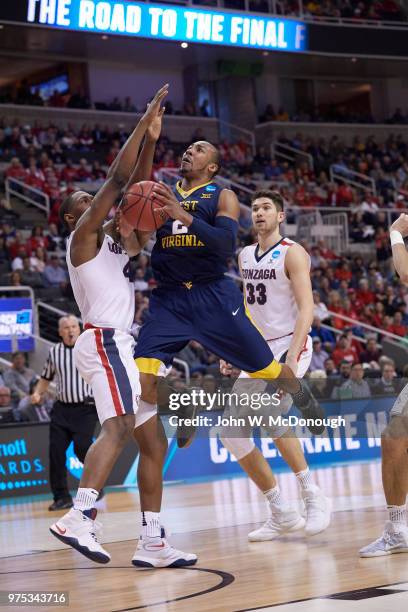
point(140, 209)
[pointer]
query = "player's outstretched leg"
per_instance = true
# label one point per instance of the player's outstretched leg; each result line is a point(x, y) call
point(78, 528)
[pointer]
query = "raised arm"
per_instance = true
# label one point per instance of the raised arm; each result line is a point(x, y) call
point(144, 166)
point(119, 172)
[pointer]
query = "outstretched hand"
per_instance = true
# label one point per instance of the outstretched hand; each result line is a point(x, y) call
point(154, 112)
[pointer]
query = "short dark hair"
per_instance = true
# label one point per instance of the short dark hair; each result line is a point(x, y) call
point(275, 197)
point(65, 209)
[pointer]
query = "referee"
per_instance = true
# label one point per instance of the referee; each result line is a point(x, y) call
point(73, 416)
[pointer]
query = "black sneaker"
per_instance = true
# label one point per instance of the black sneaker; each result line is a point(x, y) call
point(185, 433)
point(61, 504)
point(305, 401)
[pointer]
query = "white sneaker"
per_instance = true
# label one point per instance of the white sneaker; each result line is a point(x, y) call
point(77, 529)
point(391, 542)
point(149, 553)
point(318, 511)
point(280, 522)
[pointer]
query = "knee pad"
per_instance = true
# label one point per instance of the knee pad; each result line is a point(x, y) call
point(239, 447)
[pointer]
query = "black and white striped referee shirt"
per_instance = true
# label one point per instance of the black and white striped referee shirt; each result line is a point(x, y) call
point(71, 387)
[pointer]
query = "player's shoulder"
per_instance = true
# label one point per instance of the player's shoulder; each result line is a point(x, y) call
point(248, 250)
point(293, 246)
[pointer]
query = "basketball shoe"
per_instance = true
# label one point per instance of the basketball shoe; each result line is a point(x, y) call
point(157, 552)
point(318, 511)
point(391, 541)
point(77, 529)
point(281, 521)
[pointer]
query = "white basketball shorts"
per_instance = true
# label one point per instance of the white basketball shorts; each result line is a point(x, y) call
point(104, 358)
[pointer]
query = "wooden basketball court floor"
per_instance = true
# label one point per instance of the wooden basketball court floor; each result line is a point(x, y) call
point(292, 574)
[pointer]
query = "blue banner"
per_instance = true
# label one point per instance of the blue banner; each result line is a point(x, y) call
point(16, 321)
point(167, 22)
point(358, 440)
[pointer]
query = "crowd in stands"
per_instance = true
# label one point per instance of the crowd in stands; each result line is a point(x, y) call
point(29, 95)
point(16, 388)
point(331, 114)
point(355, 10)
point(363, 290)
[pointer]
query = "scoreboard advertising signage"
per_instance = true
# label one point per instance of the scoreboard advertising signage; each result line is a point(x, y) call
point(162, 22)
point(24, 464)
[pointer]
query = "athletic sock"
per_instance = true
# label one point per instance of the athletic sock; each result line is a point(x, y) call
point(398, 515)
point(305, 479)
point(85, 499)
point(151, 527)
point(274, 497)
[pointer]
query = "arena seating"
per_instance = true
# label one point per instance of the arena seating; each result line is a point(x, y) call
point(351, 292)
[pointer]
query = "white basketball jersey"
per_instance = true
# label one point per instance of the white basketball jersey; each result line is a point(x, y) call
point(268, 293)
point(103, 293)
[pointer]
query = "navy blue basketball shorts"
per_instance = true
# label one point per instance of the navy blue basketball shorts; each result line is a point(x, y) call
point(214, 315)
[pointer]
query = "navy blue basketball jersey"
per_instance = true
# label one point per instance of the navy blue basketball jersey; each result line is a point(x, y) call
point(178, 255)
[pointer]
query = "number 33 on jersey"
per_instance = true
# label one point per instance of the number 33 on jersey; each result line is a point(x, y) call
point(268, 293)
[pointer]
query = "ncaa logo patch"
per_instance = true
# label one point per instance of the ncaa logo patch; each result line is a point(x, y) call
point(210, 188)
point(275, 254)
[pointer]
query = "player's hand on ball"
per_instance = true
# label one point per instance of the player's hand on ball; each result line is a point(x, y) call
point(401, 225)
point(153, 108)
point(225, 368)
point(164, 195)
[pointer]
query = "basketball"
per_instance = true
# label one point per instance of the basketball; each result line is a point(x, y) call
point(140, 209)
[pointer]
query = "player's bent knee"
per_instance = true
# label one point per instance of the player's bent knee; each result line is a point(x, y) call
point(271, 371)
point(239, 447)
point(119, 428)
point(395, 434)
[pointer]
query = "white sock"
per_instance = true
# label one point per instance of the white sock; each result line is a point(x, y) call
point(85, 499)
point(274, 497)
point(398, 515)
point(305, 479)
point(151, 527)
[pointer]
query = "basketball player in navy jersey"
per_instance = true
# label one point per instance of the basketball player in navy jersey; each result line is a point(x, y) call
point(194, 298)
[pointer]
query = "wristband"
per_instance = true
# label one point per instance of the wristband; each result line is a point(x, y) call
point(396, 237)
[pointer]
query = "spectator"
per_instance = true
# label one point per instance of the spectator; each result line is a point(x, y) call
point(7, 408)
point(371, 352)
point(344, 351)
point(35, 413)
point(319, 356)
point(19, 376)
point(388, 384)
point(326, 336)
point(30, 276)
point(54, 274)
point(318, 384)
point(355, 387)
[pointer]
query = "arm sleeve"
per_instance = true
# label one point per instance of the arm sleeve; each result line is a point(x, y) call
point(221, 237)
point(48, 372)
